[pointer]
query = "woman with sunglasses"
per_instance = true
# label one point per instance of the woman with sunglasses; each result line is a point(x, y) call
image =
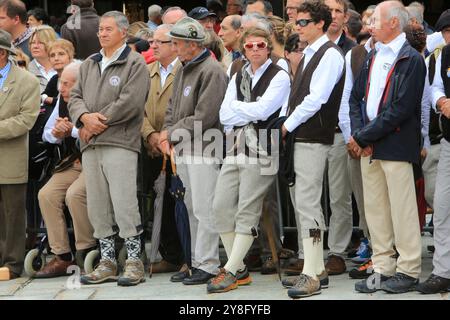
point(254, 96)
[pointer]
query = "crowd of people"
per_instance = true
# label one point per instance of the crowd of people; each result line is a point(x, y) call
point(251, 108)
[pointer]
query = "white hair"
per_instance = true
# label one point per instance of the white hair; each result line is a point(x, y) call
point(154, 11)
point(261, 22)
point(415, 12)
point(165, 26)
point(397, 10)
point(120, 18)
point(73, 68)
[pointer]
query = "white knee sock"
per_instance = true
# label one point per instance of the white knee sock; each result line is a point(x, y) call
point(320, 265)
point(241, 245)
point(311, 254)
point(227, 241)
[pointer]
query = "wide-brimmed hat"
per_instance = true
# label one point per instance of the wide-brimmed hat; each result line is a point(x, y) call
point(5, 42)
point(188, 29)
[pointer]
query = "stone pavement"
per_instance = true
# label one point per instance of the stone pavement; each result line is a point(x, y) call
point(264, 287)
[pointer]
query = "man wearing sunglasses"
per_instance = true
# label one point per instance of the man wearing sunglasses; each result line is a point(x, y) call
point(312, 116)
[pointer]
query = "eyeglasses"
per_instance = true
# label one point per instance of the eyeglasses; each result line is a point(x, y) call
point(159, 42)
point(255, 45)
point(303, 22)
point(21, 63)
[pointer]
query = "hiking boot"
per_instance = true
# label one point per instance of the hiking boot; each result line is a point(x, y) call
point(400, 283)
point(134, 273)
point(289, 282)
point(294, 267)
point(243, 277)
point(223, 282)
point(105, 271)
point(306, 286)
point(434, 284)
point(253, 262)
point(335, 265)
point(268, 266)
point(371, 284)
point(363, 271)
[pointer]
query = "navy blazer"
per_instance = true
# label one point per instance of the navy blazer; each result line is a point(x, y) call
point(395, 132)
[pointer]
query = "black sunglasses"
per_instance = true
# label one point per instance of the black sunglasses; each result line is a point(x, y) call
point(303, 22)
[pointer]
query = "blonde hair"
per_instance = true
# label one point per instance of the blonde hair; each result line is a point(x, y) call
point(278, 26)
point(135, 27)
point(63, 44)
point(45, 34)
point(21, 56)
point(256, 32)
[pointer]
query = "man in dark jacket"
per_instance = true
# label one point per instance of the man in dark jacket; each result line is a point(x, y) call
point(385, 109)
point(81, 29)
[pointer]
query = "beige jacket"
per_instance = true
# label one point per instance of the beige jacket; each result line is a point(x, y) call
point(158, 99)
point(19, 109)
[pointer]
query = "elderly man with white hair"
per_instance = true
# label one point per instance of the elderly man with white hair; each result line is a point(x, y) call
point(154, 17)
point(387, 135)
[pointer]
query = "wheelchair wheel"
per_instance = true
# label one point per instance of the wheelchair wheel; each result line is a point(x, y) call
point(91, 261)
point(34, 262)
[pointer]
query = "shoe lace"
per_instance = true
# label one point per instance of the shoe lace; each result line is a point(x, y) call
point(220, 277)
point(301, 280)
point(104, 266)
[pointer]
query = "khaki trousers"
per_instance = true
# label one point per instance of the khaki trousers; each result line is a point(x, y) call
point(12, 226)
point(309, 166)
point(392, 216)
point(67, 187)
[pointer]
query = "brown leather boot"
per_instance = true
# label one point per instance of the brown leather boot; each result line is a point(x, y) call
point(55, 268)
point(335, 265)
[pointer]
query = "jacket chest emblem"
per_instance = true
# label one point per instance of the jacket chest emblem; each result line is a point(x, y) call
point(114, 81)
point(448, 72)
point(187, 91)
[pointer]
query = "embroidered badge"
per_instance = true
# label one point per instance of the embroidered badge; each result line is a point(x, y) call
point(187, 90)
point(114, 81)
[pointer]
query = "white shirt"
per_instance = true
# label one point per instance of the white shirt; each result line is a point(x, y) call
point(384, 59)
point(237, 113)
point(426, 106)
point(344, 110)
point(47, 75)
point(324, 78)
point(107, 61)
point(437, 89)
point(281, 63)
point(434, 40)
point(164, 73)
point(47, 135)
